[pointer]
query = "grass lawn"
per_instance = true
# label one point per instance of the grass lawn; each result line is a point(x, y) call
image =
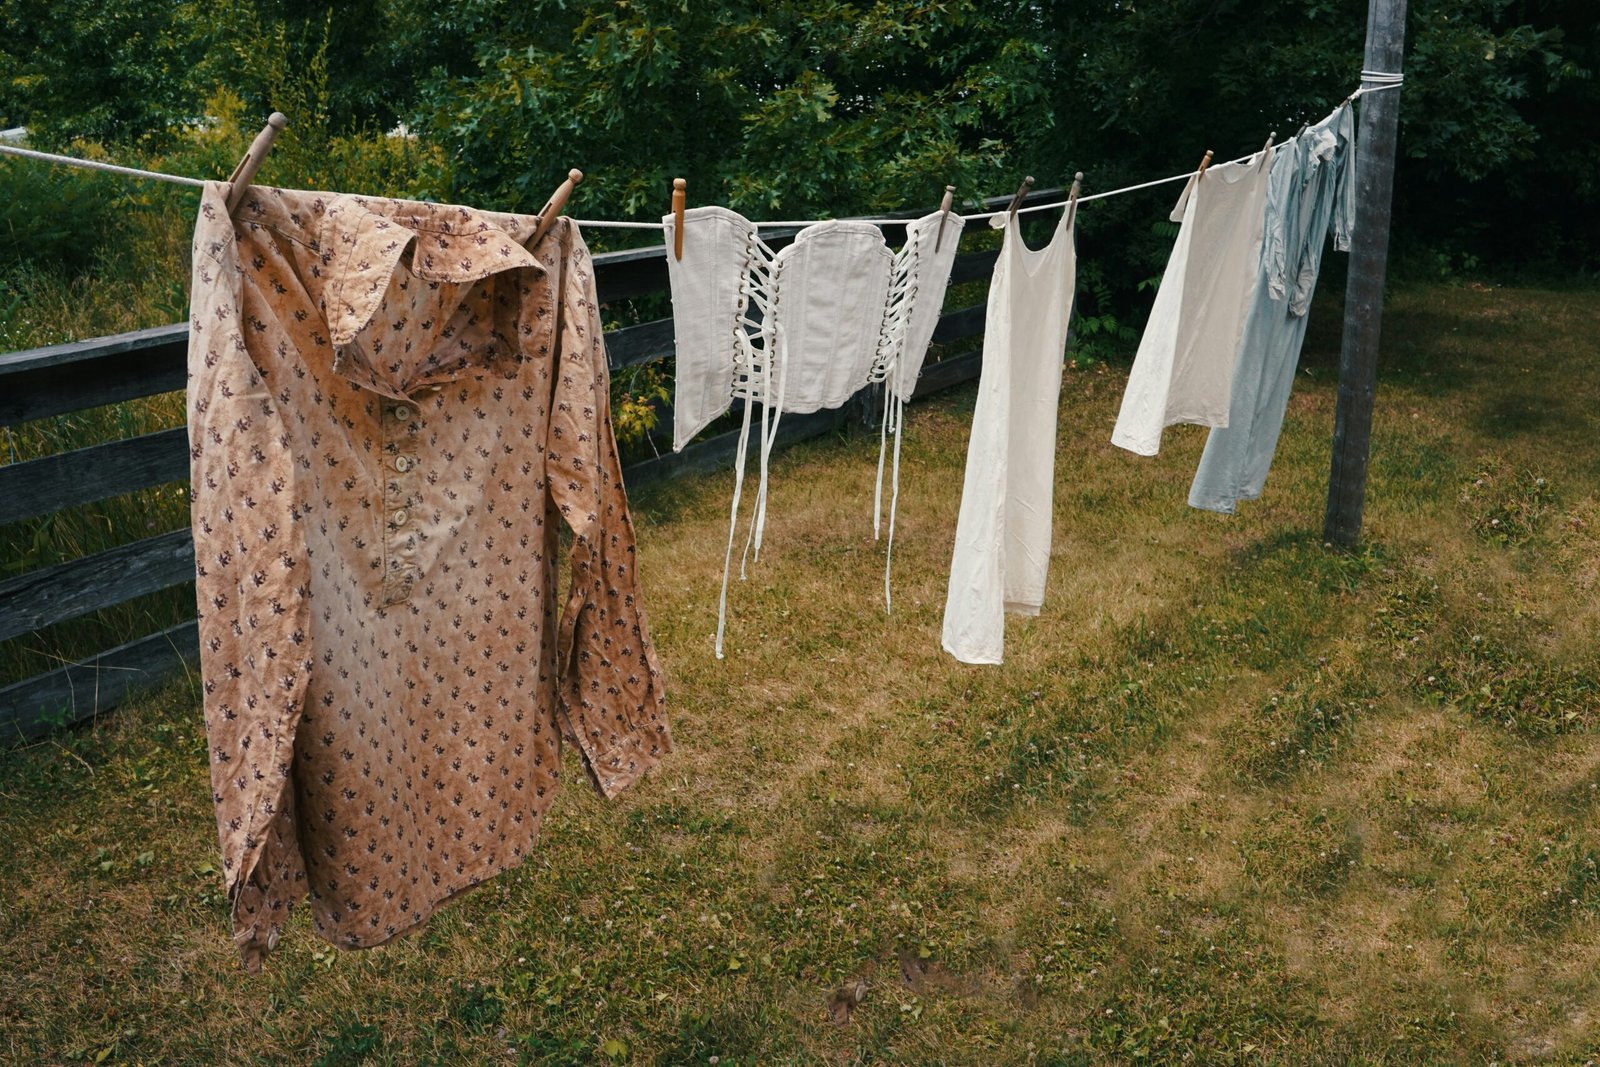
point(1232, 798)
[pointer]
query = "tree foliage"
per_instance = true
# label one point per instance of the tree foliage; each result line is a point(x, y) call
point(821, 108)
point(102, 70)
point(828, 108)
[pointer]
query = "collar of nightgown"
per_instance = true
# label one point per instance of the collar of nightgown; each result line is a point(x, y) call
point(365, 240)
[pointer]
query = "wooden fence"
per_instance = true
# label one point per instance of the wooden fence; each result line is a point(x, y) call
point(45, 382)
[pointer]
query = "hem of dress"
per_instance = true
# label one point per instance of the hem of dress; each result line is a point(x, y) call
point(1214, 421)
point(978, 660)
point(434, 907)
point(1251, 494)
point(1138, 448)
point(253, 948)
point(1215, 504)
point(450, 895)
point(1017, 607)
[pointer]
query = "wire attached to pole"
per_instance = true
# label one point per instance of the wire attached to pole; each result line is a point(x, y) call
point(1383, 79)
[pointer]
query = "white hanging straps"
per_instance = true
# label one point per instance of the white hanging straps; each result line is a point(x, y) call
point(756, 350)
point(896, 319)
point(887, 372)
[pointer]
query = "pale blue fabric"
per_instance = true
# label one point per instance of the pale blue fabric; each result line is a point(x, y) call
point(1311, 190)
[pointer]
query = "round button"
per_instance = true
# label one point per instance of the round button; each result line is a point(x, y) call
point(402, 464)
point(402, 412)
point(399, 518)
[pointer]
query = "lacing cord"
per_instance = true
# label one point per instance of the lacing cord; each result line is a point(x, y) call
point(886, 371)
point(777, 362)
point(761, 376)
point(752, 382)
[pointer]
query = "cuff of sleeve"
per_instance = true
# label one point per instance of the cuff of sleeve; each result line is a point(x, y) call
point(258, 920)
point(253, 949)
point(270, 883)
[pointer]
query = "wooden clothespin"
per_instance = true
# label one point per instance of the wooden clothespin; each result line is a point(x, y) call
point(944, 215)
point(679, 195)
point(246, 170)
point(1194, 179)
point(1072, 198)
point(1266, 149)
point(553, 206)
point(1022, 191)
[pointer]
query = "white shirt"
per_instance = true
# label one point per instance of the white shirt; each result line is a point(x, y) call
point(1183, 371)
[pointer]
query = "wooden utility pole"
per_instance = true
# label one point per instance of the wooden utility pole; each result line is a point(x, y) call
point(1369, 261)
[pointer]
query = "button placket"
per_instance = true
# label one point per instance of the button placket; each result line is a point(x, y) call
point(401, 573)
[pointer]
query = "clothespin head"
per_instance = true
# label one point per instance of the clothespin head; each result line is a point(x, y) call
point(1194, 179)
point(553, 206)
point(1022, 191)
point(679, 195)
point(1266, 149)
point(246, 170)
point(1072, 198)
point(944, 215)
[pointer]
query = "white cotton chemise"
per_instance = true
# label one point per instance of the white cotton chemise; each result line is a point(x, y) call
point(1003, 531)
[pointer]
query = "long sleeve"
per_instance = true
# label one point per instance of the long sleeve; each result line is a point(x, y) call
point(1323, 192)
point(1280, 201)
point(611, 698)
point(1344, 202)
point(251, 591)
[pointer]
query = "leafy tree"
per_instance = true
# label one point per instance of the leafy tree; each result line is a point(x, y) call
point(829, 108)
point(365, 56)
point(102, 70)
point(1500, 142)
point(1492, 86)
point(832, 108)
point(800, 109)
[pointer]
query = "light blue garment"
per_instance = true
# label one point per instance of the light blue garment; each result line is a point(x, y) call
point(1312, 188)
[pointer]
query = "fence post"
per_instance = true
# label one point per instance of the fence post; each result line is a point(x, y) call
point(1369, 260)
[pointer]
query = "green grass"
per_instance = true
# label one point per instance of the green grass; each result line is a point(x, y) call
point(1233, 797)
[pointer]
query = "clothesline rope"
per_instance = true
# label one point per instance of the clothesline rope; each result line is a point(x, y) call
point(94, 164)
point(1384, 80)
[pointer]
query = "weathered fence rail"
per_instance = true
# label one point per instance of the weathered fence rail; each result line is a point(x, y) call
point(44, 382)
